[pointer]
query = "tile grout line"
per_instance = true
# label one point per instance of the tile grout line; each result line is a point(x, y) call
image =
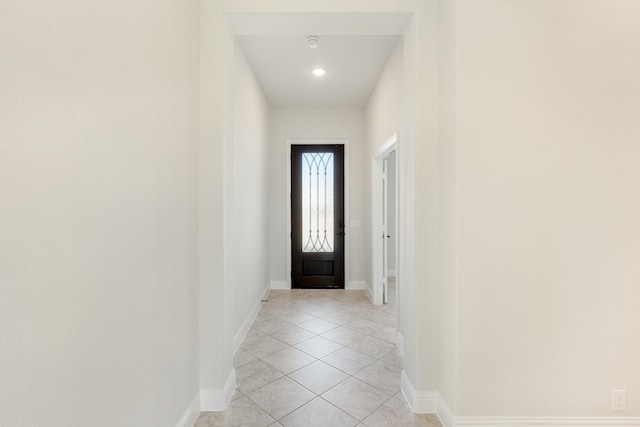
point(365, 314)
point(316, 395)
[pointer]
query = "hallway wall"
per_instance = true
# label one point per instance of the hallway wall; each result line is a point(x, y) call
point(338, 123)
point(382, 116)
point(448, 235)
point(385, 107)
point(98, 220)
point(405, 101)
point(548, 100)
point(250, 192)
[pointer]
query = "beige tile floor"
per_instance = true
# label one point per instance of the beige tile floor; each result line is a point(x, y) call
point(324, 358)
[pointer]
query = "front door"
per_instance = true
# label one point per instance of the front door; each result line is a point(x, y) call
point(317, 216)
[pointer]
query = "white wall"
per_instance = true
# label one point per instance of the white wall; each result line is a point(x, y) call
point(548, 100)
point(406, 101)
point(250, 192)
point(383, 113)
point(420, 256)
point(333, 123)
point(385, 106)
point(98, 216)
point(215, 209)
point(448, 238)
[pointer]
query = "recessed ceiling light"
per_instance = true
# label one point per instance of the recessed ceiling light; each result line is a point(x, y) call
point(319, 72)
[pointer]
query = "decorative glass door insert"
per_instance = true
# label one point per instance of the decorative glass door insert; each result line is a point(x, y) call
point(317, 202)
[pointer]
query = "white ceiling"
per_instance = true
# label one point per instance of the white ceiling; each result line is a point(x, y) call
point(283, 64)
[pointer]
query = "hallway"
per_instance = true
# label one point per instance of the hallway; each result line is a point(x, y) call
point(319, 358)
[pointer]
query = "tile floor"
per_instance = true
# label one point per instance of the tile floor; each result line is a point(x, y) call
point(324, 358)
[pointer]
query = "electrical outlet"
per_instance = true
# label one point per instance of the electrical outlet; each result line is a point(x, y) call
point(618, 400)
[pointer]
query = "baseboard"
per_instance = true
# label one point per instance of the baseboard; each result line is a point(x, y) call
point(391, 273)
point(280, 285)
point(369, 291)
point(432, 402)
point(443, 410)
point(449, 420)
point(218, 399)
point(248, 321)
point(545, 421)
point(420, 402)
point(190, 416)
point(356, 285)
point(400, 343)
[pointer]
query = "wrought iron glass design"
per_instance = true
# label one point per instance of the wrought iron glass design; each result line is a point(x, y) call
point(317, 202)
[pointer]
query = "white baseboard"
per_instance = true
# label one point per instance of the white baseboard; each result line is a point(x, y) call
point(449, 420)
point(432, 402)
point(444, 412)
point(280, 285)
point(545, 421)
point(420, 402)
point(369, 291)
point(218, 399)
point(248, 321)
point(356, 285)
point(191, 413)
point(400, 343)
point(391, 273)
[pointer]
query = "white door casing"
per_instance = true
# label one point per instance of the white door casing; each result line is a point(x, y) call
point(379, 199)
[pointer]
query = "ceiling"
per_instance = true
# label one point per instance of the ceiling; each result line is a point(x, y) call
point(283, 66)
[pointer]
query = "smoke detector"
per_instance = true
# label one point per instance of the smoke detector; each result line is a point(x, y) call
point(313, 41)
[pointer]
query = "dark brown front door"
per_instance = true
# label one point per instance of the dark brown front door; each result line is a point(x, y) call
point(317, 216)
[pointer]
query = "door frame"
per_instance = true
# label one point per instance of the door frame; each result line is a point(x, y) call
point(376, 221)
point(345, 143)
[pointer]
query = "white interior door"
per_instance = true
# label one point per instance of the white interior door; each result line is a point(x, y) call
point(382, 221)
point(385, 233)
